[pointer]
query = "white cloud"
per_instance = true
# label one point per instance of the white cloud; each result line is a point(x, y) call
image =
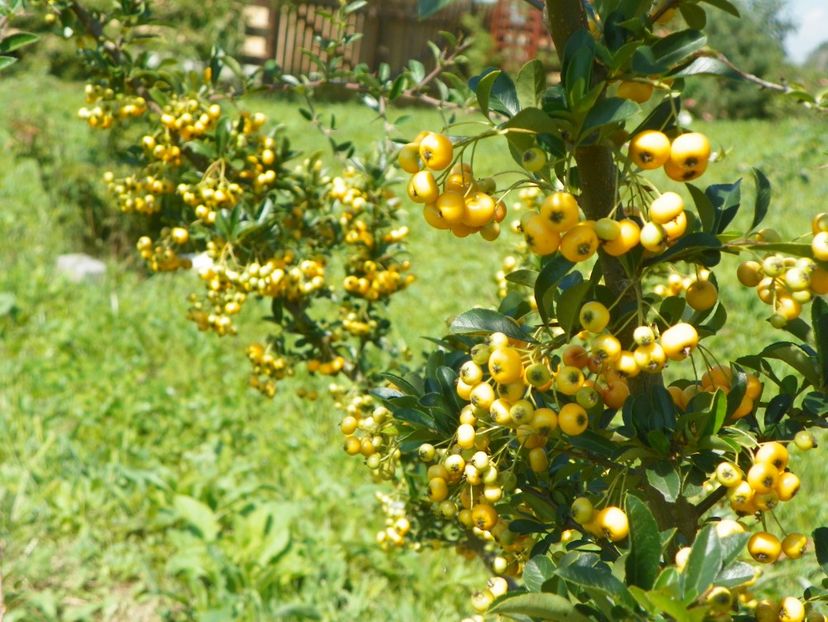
point(811, 22)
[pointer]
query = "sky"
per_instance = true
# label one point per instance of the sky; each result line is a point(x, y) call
point(811, 19)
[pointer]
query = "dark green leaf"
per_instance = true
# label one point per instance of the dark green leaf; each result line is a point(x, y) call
point(415, 418)
point(694, 15)
point(578, 58)
point(819, 322)
point(645, 546)
point(707, 214)
point(598, 578)
point(816, 404)
point(569, 305)
point(821, 547)
point(724, 5)
point(763, 197)
point(16, 41)
point(796, 357)
point(677, 46)
point(486, 321)
point(725, 199)
point(523, 277)
point(608, 111)
point(717, 412)
point(700, 247)
point(777, 408)
point(548, 278)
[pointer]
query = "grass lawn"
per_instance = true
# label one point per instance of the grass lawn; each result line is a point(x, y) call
point(120, 424)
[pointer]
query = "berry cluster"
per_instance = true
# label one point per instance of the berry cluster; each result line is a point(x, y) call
point(763, 485)
point(268, 368)
point(684, 158)
point(107, 106)
point(785, 283)
point(370, 432)
point(465, 205)
point(397, 524)
point(163, 256)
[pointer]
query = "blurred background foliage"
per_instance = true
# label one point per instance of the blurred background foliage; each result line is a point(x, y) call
point(754, 43)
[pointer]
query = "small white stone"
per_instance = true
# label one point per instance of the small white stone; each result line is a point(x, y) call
point(80, 267)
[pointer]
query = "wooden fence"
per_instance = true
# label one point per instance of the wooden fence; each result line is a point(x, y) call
point(281, 30)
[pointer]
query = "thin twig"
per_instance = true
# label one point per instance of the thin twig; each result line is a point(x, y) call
point(710, 500)
point(749, 77)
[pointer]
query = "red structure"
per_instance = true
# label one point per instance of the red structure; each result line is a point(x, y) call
point(519, 32)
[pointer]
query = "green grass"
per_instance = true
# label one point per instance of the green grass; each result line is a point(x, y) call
point(121, 425)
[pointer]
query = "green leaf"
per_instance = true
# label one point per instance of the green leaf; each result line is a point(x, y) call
point(819, 322)
point(667, 52)
point(532, 79)
point(5, 61)
point(735, 575)
point(662, 117)
point(699, 246)
point(16, 41)
point(198, 515)
point(523, 277)
point(486, 321)
point(664, 478)
point(645, 545)
point(694, 15)
point(550, 275)
point(677, 46)
point(569, 305)
point(789, 248)
point(542, 606)
point(427, 8)
point(724, 5)
point(763, 197)
point(537, 571)
point(704, 563)
point(576, 72)
point(725, 199)
point(665, 601)
point(816, 404)
point(717, 412)
point(707, 213)
point(495, 91)
point(821, 547)
point(608, 111)
point(415, 418)
point(796, 357)
point(598, 578)
point(706, 65)
point(530, 121)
